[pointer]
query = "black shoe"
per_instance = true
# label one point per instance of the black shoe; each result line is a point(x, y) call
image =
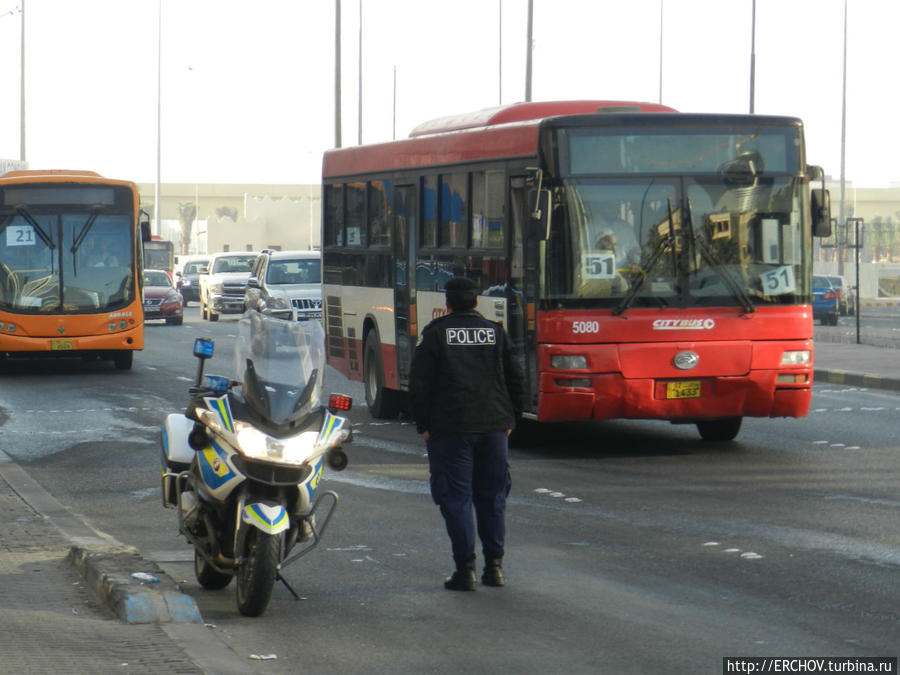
point(492, 576)
point(493, 573)
point(462, 580)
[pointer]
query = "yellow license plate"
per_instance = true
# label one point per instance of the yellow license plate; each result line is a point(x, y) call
point(688, 389)
point(61, 345)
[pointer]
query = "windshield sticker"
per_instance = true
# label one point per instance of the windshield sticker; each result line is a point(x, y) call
point(20, 235)
point(598, 265)
point(779, 280)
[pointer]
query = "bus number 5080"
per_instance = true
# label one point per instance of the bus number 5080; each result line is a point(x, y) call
point(585, 327)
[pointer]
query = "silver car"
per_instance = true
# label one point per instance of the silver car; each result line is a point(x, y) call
point(286, 284)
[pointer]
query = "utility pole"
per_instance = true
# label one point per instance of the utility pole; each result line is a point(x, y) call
point(337, 73)
point(843, 140)
point(753, 58)
point(528, 51)
point(22, 88)
point(359, 97)
point(157, 205)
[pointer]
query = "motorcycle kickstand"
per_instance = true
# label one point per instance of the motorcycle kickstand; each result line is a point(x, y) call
point(280, 578)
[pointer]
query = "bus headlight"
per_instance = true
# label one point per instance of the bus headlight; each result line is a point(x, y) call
point(798, 358)
point(568, 361)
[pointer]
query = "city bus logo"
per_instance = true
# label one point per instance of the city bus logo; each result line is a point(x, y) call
point(684, 324)
point(686, 360)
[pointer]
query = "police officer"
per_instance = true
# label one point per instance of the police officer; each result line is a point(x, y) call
point(467, 387)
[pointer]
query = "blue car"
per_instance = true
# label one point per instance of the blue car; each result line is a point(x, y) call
point(825, 301)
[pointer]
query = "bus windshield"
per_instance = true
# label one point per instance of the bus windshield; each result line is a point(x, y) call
point(723, 231)
point(77, 260)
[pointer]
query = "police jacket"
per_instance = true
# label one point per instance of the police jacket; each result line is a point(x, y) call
point(465, 376)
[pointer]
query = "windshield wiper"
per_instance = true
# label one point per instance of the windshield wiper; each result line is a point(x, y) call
point(22, 211)
point(666, 243)
point(737, 290)
point(79, 240)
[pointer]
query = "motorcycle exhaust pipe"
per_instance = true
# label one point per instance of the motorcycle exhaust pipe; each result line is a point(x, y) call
point(337, 459)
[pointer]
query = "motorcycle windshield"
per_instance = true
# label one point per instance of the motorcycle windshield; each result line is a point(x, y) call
point(281, 366)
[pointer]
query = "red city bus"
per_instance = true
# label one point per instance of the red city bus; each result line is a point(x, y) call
point(70, 266)
point(648, 264)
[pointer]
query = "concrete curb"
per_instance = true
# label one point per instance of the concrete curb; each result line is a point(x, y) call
point(109, 575)
point(105, 563)
point(857, 379)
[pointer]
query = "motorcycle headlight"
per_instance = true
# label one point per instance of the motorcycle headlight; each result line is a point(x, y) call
point(295, 450)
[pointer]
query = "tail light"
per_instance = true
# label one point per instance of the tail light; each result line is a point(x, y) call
point(340, 402)
point(829, 295)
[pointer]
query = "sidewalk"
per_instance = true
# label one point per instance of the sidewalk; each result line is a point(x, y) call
point(70, 603)
point(857, 365)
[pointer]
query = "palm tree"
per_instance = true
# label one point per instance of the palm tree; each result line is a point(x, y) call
point(187, 212)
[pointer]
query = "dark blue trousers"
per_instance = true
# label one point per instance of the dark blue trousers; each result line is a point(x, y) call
point(471, 470)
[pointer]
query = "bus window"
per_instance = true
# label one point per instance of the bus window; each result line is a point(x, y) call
point(379, 229)
point(334, 216)
point(453, 210)
point(429, 211)
point(356, 214)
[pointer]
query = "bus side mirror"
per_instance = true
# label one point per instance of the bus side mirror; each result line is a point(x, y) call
point(820, 204)
point(145, 226)
point(539, 214)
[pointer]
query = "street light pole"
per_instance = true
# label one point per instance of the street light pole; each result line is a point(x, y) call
point(22, 87)
point(528, 50)
point(753, 59)
point(843, 138)
point(157, 206)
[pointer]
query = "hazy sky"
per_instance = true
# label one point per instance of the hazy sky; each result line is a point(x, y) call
point(248, 86)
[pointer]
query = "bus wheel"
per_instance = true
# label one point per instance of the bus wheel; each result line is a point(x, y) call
point(123, 360)
point(720, 430)
point(383, 403)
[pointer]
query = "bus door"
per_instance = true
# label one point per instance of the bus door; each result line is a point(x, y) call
point(524, 255)
point(404, 214)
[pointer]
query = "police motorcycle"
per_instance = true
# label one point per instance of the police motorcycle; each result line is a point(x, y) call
point(242, 465)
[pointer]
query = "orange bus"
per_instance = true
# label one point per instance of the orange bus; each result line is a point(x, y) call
point(70, 266)
point(649, 264)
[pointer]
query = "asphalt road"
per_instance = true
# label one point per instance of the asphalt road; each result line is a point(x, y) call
point(633, 547)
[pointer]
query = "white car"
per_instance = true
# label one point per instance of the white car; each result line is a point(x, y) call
point(223, 284)
point(286, 284)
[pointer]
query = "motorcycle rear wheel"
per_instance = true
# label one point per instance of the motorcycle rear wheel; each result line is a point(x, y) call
point(256, 577)
point(207, 577)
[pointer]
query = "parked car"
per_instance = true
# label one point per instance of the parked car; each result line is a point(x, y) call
point(222, 286)
point(189, 279)
point(846, 294)
point(825, 301)
point(286, 284)
point(161, 299)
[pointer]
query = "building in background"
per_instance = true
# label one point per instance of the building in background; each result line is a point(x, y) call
point(238, 217)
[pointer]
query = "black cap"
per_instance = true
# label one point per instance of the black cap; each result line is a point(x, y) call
point(462, 294)
point(460, 284)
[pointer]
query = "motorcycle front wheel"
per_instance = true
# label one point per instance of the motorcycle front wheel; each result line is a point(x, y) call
point(256, 577)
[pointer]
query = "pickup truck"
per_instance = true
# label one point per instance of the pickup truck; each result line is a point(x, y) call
point(223, 284)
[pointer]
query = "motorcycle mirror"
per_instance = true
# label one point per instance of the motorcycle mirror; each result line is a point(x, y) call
point(203, 348)
point(337, 459)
